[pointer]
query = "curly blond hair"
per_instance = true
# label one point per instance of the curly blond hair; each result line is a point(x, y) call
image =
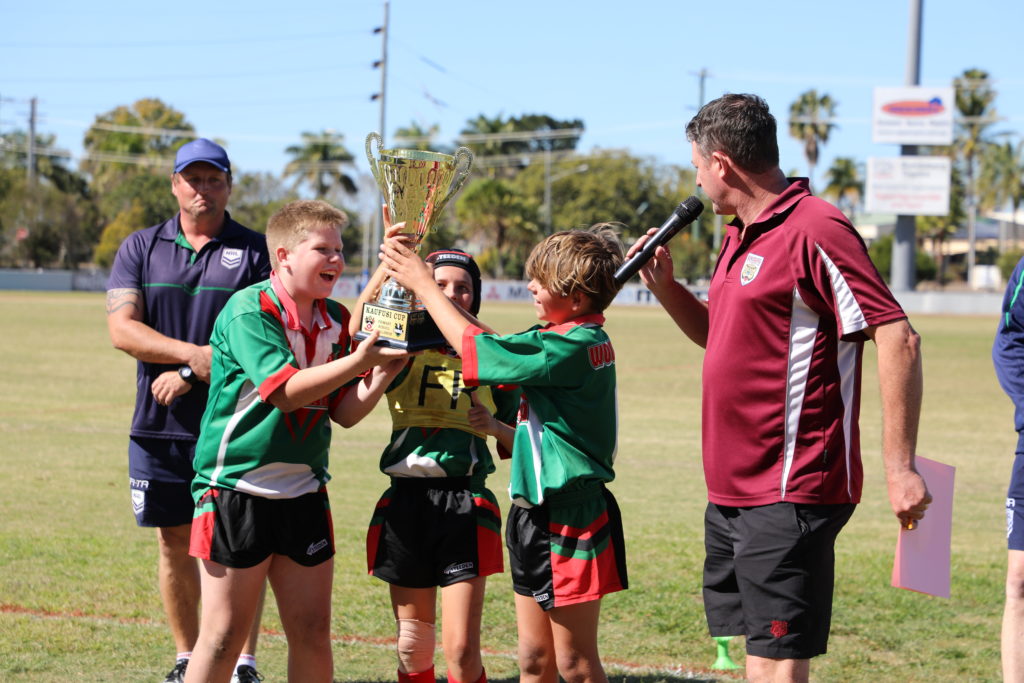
point(582, 261)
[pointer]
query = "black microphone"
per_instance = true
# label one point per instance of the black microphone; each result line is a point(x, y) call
point(684, 214)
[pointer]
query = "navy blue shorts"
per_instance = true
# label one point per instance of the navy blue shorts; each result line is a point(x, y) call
point(1015, 506)
point(160, 475)
point(769, 573)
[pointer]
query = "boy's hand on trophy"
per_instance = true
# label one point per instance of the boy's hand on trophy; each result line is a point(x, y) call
point(401, 262)
point(389, 229)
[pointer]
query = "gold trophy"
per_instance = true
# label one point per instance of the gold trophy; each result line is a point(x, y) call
point(416, 186)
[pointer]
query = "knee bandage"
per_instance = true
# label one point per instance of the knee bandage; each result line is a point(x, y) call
point(416, 641)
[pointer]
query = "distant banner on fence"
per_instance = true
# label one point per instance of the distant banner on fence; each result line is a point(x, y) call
point(515, 290)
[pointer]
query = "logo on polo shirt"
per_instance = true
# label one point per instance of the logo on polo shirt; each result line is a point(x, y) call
point(231, 258)
point(751, 267)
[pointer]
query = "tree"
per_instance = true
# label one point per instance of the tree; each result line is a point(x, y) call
point(494, 210)
point(256, 196)
point(46, 227)
point(319, 163)
point(52, 221)
point(940, 228)
point(148, 190)
point(880, 252)
point(615, 187)
point(1002, 179)
point(974, 100)
point(542, 123)
point(115, 232)
point(810, 121)
point(415, 136)
point(518, 138)
point(50, 162)
point(132, 140)
point(482, 125)
point(845, 184)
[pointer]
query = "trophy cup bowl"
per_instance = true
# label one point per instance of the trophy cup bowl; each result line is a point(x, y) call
point(416, 186)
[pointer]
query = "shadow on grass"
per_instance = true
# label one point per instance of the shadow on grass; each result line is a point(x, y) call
point(613, 678)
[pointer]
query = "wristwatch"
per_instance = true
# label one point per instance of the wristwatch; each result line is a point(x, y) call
point(185, 372)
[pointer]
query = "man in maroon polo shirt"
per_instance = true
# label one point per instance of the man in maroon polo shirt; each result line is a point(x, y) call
point(792, 300)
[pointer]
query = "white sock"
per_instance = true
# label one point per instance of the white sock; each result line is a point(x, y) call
point(245, 660)
point(183, 655)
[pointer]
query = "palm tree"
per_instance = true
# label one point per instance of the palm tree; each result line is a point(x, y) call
point(499, 214)
point(318, 163)
point(482, 125)
point(845, 184)
point(414, 136)
point(974, 98)
point(1002, 179)
point(810, 121)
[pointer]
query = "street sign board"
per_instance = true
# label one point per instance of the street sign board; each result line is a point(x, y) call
point(913, 115)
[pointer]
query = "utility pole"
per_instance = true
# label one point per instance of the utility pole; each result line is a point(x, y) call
point(378, 219)
point(903, 275)
point(701, 77)
point(384, 70)
point(31, 177)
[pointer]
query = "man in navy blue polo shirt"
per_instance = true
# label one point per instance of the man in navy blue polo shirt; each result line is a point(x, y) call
point(165, 290)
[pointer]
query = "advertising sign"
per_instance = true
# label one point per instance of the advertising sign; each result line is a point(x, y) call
point(908, 186)
point(913, 115)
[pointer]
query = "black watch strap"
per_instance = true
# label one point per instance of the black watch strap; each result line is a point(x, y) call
point(187, 374)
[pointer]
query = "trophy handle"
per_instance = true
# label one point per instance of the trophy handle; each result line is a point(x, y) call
point(463, 163)
point(371, 157)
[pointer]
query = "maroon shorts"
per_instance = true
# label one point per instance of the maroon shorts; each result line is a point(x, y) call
point(240, 530)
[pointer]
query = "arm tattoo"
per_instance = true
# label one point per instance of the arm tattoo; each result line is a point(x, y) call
point(119, 298)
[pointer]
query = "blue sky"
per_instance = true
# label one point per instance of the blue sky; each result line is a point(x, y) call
point(256, 74)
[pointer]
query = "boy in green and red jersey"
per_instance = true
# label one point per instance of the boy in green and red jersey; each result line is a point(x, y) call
point(564, 531)
point(281, 369)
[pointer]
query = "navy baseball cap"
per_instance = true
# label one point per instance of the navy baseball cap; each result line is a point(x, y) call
point(202, 149)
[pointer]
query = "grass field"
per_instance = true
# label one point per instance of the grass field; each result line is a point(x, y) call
point(78, 597)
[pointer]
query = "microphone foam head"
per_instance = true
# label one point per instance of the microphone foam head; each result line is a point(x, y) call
point(690, 208)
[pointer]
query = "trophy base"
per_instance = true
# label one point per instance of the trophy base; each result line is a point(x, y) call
point(407, 330)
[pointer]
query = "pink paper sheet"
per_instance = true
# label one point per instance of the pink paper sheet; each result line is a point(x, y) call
point(922, 555)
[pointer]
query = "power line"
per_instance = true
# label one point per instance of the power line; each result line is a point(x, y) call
point(543, 134)
point(134, 44)
point(186, 77)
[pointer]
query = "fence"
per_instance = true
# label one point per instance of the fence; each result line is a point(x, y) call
point(957, 303)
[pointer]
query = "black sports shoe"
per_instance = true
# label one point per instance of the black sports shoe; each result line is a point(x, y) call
point(177, 674)
point(246, 674)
